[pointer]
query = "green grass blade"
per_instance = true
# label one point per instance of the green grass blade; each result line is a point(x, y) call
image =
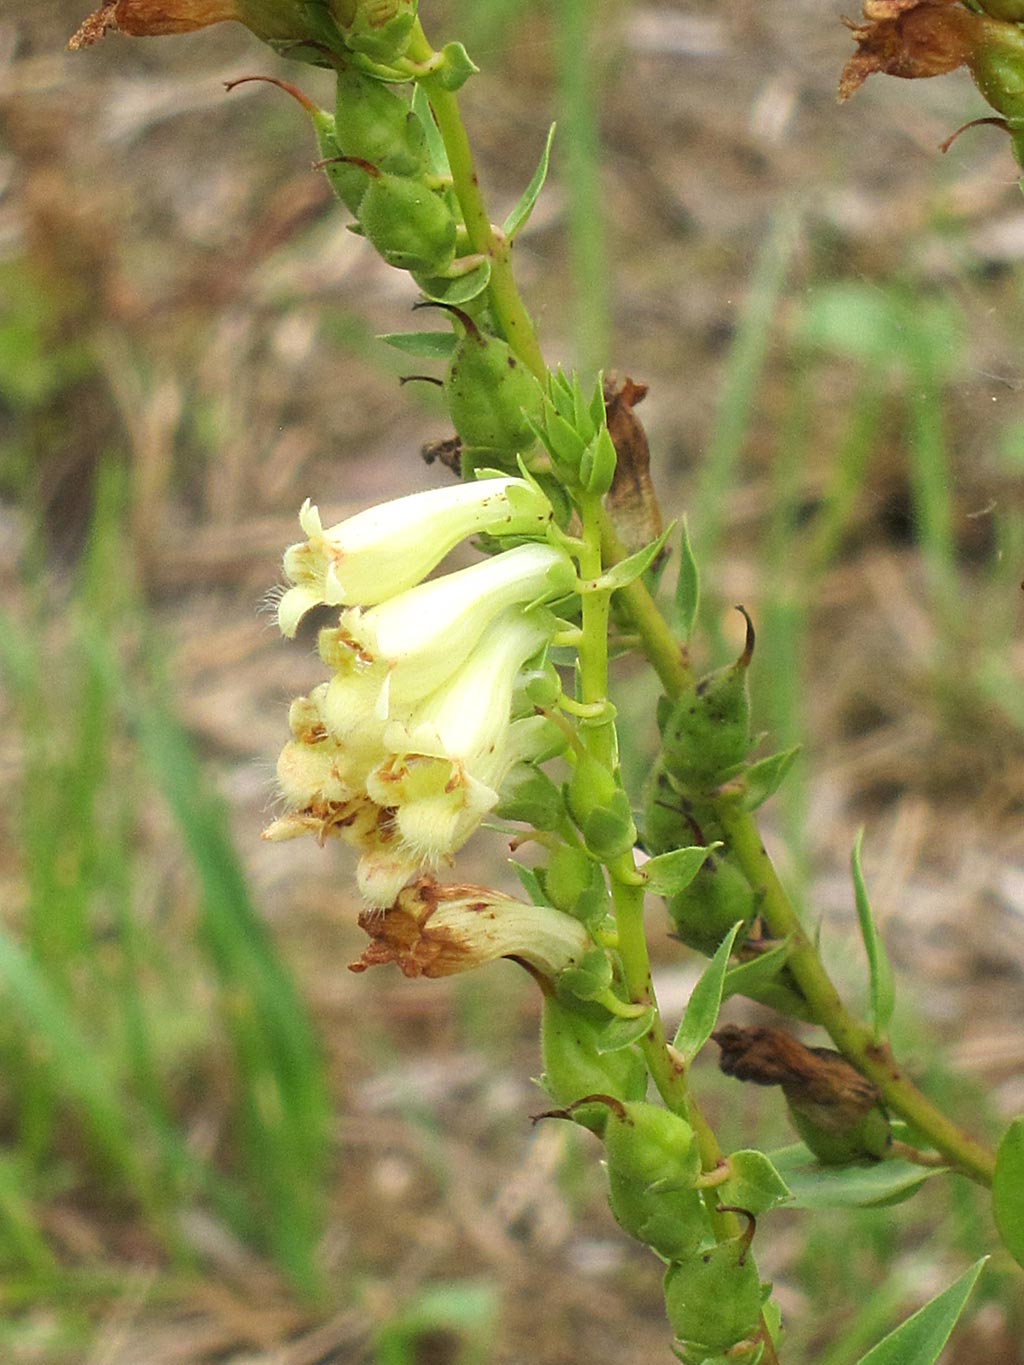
point(881, 987)
point(283, 1095)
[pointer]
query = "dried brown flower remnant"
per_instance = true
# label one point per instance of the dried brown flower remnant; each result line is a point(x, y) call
point(835, 1109)
point(911, 39)
point(433, 930)
point(273, 21)
point(632, 501)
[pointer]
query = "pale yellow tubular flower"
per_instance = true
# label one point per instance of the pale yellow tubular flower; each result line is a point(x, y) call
point(451, 753)
point(426, 634)
point(387, 549)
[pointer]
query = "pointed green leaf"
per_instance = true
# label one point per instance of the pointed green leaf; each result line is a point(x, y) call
point(455, 68)
point(687, 600)
point(763, 779)
point(1008, 1190)
point(520, 215)
point(457, 289)
point(757, 973)
point(424, 345)
point(754, 1184)
point(629, 569)
point(670, 873)
point(597, 468)
point(861, 1185)
point(705, 1002)
point(881, 987)
point(437, 156)
point(920, 1340)
point(618, 1034)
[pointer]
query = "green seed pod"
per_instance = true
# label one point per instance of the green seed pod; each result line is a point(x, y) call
point(408, 223)
point(374, 124)
point(833, 1143)
point(707, 732)
point(574, 1069)
point(713, 1299)
point(601, 810)
point(705, 911)
point(652, 1165)
point(492, 396)
point(671, 1221)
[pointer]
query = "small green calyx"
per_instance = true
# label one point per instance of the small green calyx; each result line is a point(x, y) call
point(706, 733)
point(379, 29)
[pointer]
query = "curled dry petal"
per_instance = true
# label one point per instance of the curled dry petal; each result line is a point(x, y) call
point(434, 930)
point(911, 39)
point(144, 18)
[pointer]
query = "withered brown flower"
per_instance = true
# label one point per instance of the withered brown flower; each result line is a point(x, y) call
point(911, 39)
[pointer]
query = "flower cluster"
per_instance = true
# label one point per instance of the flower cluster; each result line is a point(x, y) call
point(403, 751)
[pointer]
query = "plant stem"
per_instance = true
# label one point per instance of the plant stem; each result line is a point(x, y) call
point(853, 1038)
point(507, 306)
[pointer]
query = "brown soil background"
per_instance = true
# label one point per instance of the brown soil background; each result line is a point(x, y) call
point(234, 317)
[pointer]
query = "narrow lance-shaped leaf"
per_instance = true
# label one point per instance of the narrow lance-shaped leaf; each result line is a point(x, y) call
point(919, 1340)
point(758, 972)
point(881, 987)
point(437, 156)
point(425, 345)
point(705, 1002)
point(627, 570)
point(1008, 1190)
point(520, 215)
point(861, 1185)
point(763, 779)
point(687, 597)
point(670, 873)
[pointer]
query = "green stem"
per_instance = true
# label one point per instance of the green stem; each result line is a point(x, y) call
point(507, 306)
point(853, 1038)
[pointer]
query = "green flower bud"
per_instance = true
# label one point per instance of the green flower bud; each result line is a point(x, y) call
point(707, 732)
point(574, 1069)
point(601, 810)
point(492, 396)
point(713, 1299)
point(410, 224)
point(567, 876)
point(373, 124)
point(380, 29)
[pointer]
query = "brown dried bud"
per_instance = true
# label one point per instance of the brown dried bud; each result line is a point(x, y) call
point(835, 1109)
point(632, 502)
point(271, 20)
point(911, 39)
point(434, 930)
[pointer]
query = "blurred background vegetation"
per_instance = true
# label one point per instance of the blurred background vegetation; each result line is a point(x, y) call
point(215, 1145)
